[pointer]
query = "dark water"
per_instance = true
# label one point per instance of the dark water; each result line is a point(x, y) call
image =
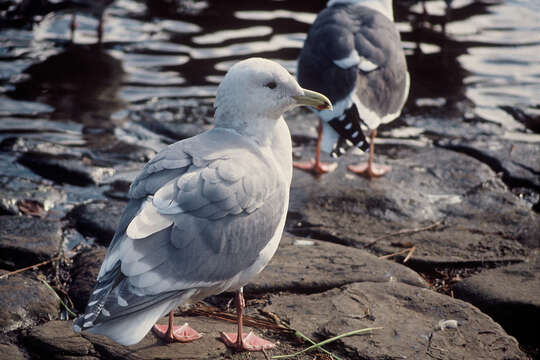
point(478, 62)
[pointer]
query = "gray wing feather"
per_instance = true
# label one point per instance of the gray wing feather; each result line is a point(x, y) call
point(227, 171)
point(127, 321)
point(216, 251)
point(111, 257)
point(142, 256)
point(221, 226)
point(167, 165)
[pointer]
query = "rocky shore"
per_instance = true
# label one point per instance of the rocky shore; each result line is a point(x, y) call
point(441, 255)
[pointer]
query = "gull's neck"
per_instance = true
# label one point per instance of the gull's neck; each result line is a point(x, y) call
point(382, 6)
point(256, 127)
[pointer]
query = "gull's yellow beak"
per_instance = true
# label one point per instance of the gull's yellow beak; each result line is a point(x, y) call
point(315, 99)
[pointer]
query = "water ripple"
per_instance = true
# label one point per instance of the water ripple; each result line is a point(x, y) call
point(226, 35)
point(486, 65)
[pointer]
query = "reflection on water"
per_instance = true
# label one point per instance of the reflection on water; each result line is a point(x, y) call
point(80, 83)
point(506, 72)
point(477, 60)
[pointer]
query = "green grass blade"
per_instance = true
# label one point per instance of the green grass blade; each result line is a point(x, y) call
point(59, 298)
point(334, 356)
point(327, 341)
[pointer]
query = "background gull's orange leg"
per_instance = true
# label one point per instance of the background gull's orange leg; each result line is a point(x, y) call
point(316, 166)
point(370, 168)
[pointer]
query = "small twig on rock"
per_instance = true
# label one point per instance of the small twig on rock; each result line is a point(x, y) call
point(404, 231)
point(409, 252)
point(409, 255)
point(274, 317)
point(215, 313)
point(30, 267)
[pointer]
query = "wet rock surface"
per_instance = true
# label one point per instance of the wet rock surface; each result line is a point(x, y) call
point(15, 190)
point(177, 122)
point(65, 169)
point(25, 302)
point(98, 219)
point(27, 240)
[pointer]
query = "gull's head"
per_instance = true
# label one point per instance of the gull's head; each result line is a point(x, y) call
point(256, 92)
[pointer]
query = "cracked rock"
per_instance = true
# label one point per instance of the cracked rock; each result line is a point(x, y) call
point(510, 295)
point(470, 214)
point(56, 339)
point(301, 265)
point(416, 323)
point(517, 160)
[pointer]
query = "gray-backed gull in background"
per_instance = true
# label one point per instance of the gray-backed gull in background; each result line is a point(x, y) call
point(353, 55)
point(205, 215)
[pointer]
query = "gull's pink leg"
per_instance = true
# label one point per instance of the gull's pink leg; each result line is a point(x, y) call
point(316, 166)
point(370, 168)
point(240, 340)
point(171, 333)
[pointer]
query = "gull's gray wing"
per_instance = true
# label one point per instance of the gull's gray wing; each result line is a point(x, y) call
point(201, 212)
point(329, 39)
point(383, 88)
point(354, 50)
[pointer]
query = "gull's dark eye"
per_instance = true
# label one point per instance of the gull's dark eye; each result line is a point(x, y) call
point(271, 84)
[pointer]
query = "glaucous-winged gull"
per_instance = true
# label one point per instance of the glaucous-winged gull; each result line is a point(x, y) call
point(206, 214)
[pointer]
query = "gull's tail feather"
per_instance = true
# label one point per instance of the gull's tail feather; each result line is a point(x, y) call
point(130, 329)
point(116, 311)
point(97, 299)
